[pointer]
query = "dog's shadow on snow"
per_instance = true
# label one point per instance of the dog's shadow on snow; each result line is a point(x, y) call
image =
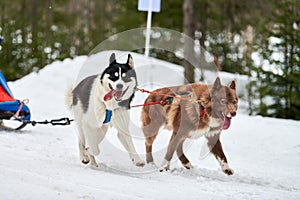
point(134, 171)
point(203, 174)
point(196, 173)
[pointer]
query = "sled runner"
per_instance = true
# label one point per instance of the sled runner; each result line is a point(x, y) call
point(12, 111)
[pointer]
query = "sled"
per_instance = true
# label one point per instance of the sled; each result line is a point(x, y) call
point(13, 112)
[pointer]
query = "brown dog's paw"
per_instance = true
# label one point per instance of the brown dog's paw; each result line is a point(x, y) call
point(188, 165)
point(165, 166)
point(164, 169)
point(228, 171)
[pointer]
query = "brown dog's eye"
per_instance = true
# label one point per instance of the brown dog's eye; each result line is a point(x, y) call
point(235, 102)
point(223, 101)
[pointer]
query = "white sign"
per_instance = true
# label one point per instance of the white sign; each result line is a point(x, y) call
point(143, 5)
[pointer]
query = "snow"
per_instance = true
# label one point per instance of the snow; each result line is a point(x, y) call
point(42, 162)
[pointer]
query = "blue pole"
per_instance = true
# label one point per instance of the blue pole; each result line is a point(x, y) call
point(1, 39)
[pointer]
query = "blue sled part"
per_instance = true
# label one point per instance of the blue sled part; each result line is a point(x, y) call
point(3, 83)
point(9, 108)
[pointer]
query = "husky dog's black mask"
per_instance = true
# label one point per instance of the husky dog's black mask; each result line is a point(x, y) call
point(119, 80)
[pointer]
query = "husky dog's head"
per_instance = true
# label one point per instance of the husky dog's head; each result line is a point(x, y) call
point(224, 101)
point(119, 80)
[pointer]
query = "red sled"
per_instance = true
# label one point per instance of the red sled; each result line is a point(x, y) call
point(11, 108)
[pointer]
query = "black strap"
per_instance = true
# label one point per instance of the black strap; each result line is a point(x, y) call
point(61, 122)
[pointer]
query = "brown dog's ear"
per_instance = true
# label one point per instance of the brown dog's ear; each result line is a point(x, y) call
point(232, 85)
point(112, 58)
point(130, 61)
point(217, 84)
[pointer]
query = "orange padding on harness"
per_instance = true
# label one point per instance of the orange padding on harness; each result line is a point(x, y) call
point(148, 104)
point(4, 96)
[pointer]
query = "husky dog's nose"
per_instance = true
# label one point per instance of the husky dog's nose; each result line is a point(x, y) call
point(119, 86)
point(232, 114)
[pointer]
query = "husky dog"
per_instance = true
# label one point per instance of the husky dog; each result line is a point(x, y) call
point(100, 101)
point(205, 111)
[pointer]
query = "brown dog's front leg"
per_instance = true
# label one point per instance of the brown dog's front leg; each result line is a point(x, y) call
point(184, 160)
point(216, 149)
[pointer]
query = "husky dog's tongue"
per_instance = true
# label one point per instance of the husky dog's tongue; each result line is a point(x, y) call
point(113, 93)
point(226, 123)
point(109, 95)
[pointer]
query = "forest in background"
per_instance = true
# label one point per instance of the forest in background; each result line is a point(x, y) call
point(38, 32)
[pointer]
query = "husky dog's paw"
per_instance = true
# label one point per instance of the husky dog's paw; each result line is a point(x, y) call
point(93, 162)
point(228, 171)
point(94, 165)
point(85, 160)
point(138, 162)
point(165, 166)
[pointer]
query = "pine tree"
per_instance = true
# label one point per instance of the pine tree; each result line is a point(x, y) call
point(280, 81)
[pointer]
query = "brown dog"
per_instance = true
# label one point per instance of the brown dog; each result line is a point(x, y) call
point(191, 111)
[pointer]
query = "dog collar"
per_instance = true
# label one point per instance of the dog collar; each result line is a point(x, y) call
point(107, 116)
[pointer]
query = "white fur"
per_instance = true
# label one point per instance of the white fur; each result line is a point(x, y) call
point(130, 85)
point(213, 129)
point(164, 166)
point(188, 165)
point(214, 122)
point(224, 165)
point(198, 133)
point(69, 97)
point(91, 130)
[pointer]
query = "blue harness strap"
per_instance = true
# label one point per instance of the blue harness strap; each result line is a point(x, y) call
point(107, 116)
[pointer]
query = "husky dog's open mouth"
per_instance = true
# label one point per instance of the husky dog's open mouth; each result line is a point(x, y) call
point(117, 94)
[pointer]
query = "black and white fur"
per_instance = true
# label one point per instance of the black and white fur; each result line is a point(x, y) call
point(87, 102)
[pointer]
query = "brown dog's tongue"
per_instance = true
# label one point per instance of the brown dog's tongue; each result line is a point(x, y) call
point(226, 124)
point(109, 95)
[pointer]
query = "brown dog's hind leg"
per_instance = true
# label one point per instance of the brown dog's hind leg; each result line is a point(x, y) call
point(148, 144)
point(216, 149)
point(150, 132)
point(152, 119)
point(185, 162)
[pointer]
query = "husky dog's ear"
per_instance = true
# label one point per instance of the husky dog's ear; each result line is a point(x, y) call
point(130, 61)
point(232, 85)
point(217, 84)
point(112, 58)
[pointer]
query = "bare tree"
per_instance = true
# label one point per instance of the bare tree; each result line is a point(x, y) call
point(189, 31)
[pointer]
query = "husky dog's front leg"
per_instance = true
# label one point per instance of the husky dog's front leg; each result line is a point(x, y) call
point(121, 122)
point(216, 149)
point(93, 137)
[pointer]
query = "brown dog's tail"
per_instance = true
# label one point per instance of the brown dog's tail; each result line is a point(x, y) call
point(152, 117)
point(69, 97)
point(145, 118)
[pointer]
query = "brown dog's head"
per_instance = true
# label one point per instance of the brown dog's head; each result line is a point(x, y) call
point(224, 102)
point(231, 100)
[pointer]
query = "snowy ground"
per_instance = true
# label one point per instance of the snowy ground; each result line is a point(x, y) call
point(42, 162)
